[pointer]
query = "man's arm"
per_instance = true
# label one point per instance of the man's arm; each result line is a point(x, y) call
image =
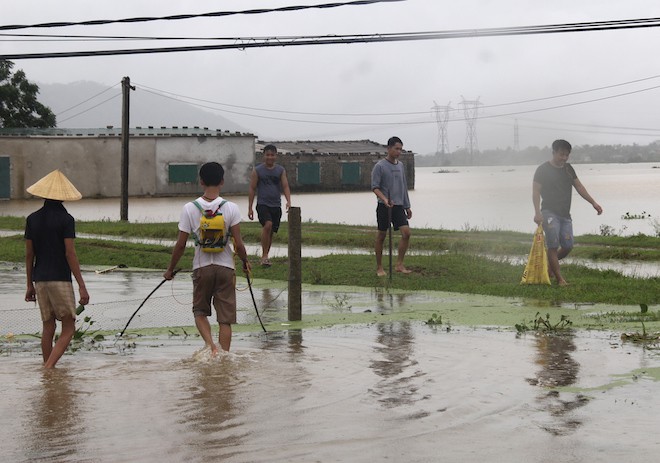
point(536, 200)
point(382, 197)
point(30, 293)
point(74, 265)
point(177, 252)
point(284, 181)
point(254, 179)
point(239, 246)
point(582, 191)
point(376, 177)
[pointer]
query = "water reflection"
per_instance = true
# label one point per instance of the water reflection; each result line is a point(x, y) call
point(211, 412)
point(290, 341)
point(395, 343)
point(386, 302)
point(57, 421)
point(558, 369)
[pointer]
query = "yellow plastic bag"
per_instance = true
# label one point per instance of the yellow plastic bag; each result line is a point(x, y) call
point(536, 270)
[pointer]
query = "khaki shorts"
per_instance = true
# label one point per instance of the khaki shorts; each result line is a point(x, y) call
point(218, 284)
point(56, 299)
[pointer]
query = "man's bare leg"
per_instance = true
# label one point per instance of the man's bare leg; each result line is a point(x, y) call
point(553, 267)
point(266, 240)
point(403, 247)
point(204, 328)
point(68, 330)
point(380, 240)
point(47, 336)
point(224, 338)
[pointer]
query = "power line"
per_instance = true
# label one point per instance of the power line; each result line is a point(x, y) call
point(89, 109)
point(352, 39)
point(492, 116)
point(408, 113)
point(88, 99)
point(178, 17)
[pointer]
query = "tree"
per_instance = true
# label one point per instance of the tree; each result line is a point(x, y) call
point(18, 101)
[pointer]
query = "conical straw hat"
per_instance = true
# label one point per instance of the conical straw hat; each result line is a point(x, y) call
point(55, 186)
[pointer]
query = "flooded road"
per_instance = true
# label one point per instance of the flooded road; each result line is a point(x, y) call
point(395, 391)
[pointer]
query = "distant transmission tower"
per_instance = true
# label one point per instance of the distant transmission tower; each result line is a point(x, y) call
point(471, 112)
point(442, 118)
point(516, 139)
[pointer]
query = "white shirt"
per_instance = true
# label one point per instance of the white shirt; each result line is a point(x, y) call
point(189, 223)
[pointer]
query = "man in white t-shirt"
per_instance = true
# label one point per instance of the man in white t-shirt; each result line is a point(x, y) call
point(213, 272)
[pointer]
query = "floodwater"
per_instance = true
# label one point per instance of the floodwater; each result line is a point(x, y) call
point(395, 391)
point(481, 197)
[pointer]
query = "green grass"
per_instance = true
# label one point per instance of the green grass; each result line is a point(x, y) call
point(495, 242)
point(453, 263)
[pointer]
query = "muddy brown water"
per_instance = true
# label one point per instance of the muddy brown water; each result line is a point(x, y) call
point(395, 391)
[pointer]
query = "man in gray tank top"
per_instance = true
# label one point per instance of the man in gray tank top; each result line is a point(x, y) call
point(268, 180)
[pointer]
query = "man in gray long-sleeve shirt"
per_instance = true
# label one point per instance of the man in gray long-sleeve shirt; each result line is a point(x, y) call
point(388, 182)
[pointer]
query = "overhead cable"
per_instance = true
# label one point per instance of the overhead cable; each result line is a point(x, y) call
point(178, 17)
point(408, 113)
point(418, 122)
point(350, 39)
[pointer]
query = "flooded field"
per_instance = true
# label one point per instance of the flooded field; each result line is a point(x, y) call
point(394, 391)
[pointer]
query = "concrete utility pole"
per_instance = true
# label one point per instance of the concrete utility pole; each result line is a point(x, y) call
point(125, 129)
point(295, 264)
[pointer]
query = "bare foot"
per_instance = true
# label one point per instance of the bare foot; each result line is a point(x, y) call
point(402, 269)
point(381, 273)
point(563, 282)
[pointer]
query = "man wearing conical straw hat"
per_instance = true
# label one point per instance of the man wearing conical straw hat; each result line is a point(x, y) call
point(50, 259)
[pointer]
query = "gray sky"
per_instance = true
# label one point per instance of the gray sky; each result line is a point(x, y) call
point(380, 78)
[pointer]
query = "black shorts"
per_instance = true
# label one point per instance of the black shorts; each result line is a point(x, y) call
point(399, 217)
point(269, 214)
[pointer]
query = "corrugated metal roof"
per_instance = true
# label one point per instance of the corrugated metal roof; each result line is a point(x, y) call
point(111, 131)
point(325, 147)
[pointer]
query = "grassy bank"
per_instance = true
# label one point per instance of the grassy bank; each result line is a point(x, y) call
point(453, 264)
point(493, 242)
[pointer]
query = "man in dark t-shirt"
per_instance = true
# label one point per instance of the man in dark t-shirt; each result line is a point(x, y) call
point(551, 195)
point(50, 259)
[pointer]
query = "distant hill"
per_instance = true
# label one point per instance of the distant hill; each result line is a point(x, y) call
point(86, 104)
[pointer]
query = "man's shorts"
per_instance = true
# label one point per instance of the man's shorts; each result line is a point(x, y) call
point(218, 284)
point(56, 299)
point(269, 214)
point(399, 217)
point(558, 231)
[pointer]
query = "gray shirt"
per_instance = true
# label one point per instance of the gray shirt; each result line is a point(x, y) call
point(391, 180)
point(269, 185)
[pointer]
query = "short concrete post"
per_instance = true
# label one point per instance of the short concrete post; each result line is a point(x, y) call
point(295, 264)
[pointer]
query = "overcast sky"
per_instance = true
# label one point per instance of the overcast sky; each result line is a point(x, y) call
point(379, 78)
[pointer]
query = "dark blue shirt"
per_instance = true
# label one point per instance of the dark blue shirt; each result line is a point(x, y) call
point(556, 187)
point(47, 228)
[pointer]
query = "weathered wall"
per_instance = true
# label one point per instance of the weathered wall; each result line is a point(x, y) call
point(236, 154)
point(93, 164)
point(331, 168)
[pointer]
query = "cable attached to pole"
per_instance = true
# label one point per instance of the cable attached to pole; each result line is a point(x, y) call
point(145, 300)
point(247, 275)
